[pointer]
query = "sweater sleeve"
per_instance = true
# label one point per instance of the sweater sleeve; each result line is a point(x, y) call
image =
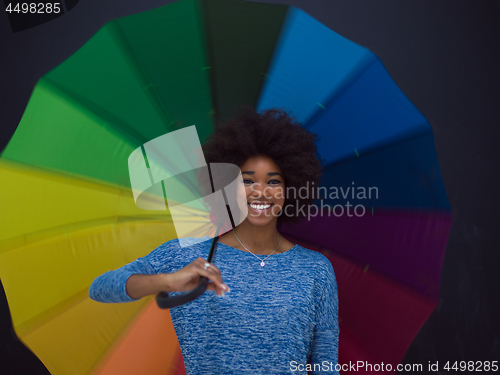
point(166, 258)
point(110, 286)
point(326, 331)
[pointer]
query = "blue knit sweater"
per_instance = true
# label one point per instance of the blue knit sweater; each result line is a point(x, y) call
point(275, 319)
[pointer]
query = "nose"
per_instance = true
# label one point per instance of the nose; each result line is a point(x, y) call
point(258, 190)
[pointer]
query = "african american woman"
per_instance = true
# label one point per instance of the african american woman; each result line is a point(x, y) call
point(274, 309)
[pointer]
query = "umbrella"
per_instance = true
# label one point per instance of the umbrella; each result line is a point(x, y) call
point(68, 213)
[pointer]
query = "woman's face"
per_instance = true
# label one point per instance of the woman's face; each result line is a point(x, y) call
point(265, 189)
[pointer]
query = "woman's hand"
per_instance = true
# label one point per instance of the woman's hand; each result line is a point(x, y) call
point(188, 278)
point(184, 280)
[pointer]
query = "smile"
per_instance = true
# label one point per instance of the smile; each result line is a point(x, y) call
point(260, 207)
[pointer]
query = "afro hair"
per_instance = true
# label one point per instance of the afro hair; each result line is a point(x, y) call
point(277, 135)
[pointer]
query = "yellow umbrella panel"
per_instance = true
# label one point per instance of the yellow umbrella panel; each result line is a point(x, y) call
point(62, 232)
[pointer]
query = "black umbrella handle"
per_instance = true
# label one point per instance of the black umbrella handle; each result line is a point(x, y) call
point(165, 302)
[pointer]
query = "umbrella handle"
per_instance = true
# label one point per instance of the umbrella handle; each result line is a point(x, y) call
point(165, 302)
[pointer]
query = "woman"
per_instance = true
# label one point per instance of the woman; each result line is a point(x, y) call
point(279, 305)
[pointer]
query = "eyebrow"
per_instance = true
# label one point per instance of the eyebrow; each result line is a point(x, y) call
point(269, 174)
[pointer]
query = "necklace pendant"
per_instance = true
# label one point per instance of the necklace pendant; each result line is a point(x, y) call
point(262, 264)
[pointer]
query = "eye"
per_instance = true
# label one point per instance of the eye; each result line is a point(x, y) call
point(246, 181)
point(274, 182)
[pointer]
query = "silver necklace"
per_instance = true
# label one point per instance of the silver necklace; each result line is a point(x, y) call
point(261, 260)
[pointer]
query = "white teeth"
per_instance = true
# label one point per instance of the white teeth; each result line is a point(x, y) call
point(260, 206)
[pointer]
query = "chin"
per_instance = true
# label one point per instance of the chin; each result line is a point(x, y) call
point(261, 222)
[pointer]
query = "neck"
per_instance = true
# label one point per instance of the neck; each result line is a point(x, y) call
point(259, 240)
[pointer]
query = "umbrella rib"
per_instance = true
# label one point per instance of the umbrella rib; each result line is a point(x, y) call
point(378, 148)
point(79, 101)
point(363, 65)
point(121, 42)
point(13, 243)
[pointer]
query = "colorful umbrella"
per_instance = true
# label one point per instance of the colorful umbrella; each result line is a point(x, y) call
point(68, 213)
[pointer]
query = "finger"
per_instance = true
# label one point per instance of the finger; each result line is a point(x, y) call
point(212, 286)
point(211, 267)
point(219, 291)
point(214, 275)
point(200, 262)
point(208, 266)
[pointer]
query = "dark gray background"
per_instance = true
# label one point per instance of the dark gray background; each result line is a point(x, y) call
point(443, 54)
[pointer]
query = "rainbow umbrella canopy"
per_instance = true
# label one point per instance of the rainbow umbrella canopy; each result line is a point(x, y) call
point(68, 213)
